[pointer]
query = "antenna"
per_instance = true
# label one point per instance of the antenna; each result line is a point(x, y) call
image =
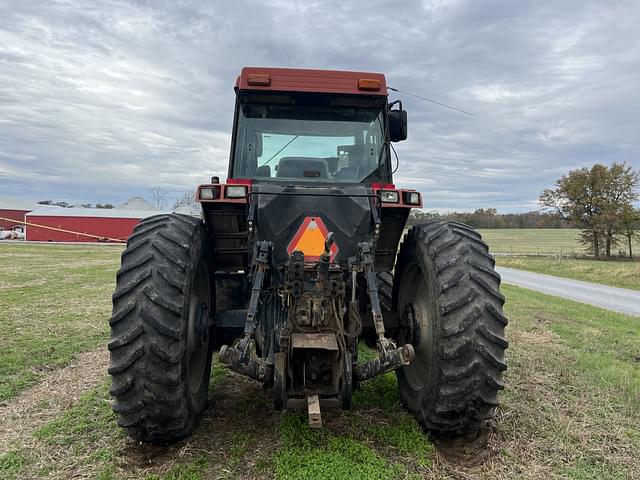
point(432, 101)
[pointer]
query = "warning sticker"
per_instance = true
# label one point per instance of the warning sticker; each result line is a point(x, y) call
point(309, 239)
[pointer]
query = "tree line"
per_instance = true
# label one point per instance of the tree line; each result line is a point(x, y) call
point(490, 218)
point(598, 200)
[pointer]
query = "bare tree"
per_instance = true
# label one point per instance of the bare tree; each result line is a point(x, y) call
point(159, 198)
point(187, 204)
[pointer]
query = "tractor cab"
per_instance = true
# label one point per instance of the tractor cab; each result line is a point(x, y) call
point(315, 144)
point(303, 126)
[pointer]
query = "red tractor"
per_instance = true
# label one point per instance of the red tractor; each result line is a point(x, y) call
point(294, 261)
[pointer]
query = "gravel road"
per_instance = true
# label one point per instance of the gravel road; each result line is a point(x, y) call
point(612, 298)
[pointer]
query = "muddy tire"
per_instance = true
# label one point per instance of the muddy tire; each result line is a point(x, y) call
point(447, 294)
point(161, 337)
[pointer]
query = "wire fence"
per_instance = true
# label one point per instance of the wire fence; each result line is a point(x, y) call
point(539, 252)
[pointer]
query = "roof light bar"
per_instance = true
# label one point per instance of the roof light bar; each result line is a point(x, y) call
point(369, 84)
point(259, 79)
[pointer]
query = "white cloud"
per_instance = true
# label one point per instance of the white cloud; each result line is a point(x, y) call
point(105, 100)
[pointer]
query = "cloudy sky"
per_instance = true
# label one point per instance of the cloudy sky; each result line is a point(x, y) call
point(100, 101)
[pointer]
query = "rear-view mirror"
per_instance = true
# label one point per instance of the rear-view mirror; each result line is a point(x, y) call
point(397, 125)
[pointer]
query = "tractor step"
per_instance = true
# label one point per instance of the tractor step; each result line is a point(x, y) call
point(313, 407)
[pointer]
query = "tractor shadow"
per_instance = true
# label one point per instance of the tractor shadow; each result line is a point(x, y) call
point(238, 433)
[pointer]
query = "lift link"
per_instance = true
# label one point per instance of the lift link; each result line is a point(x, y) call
point(263, 256)
point(389, 356)
point(392, 359)
point(367, 261)
point(242, 358)
point(249, 365)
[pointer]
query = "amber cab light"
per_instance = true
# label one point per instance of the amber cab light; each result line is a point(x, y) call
point(369, 84)
point(260, 79)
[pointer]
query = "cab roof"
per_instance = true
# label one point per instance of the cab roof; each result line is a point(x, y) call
point(311, 81)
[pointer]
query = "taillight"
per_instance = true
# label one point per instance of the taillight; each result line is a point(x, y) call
point(208, 192)
point(411, 198)
point(235, 191)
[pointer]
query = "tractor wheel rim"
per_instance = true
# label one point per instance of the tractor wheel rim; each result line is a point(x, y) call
point(414, 293)
point(198, 329)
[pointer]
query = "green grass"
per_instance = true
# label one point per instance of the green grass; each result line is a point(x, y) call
point(403, 435)
point(605, 346)
point(616, 274)
point(12, 463)
point(537, 241)
point(319, 454)
point(573, 387)
point(82, 424)
point(584, 470)
point(571, 408)
point(83, 437)
point(192, 470)
point(54, 303)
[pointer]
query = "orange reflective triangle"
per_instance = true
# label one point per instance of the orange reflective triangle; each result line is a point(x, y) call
point(309, 239)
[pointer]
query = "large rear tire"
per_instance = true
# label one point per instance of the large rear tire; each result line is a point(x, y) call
point(161, 334)
point(447, 294)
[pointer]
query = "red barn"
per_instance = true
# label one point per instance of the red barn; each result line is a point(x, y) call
point(83, 224)
point(14, 211)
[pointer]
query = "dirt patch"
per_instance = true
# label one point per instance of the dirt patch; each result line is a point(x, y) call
point(34, 407)
point(467, 451)
point(541, 338)
point(236, 431)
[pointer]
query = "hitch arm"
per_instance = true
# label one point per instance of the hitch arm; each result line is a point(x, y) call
point(242, 358)
point(372, 288)
point(262, 265)
point(390, 357)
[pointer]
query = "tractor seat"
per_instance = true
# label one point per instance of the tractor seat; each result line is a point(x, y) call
point(302, 167)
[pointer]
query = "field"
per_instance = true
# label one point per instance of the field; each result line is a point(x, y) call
point(571, 408)
point(614, 273)
point(537, 241)
point(53, 303)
